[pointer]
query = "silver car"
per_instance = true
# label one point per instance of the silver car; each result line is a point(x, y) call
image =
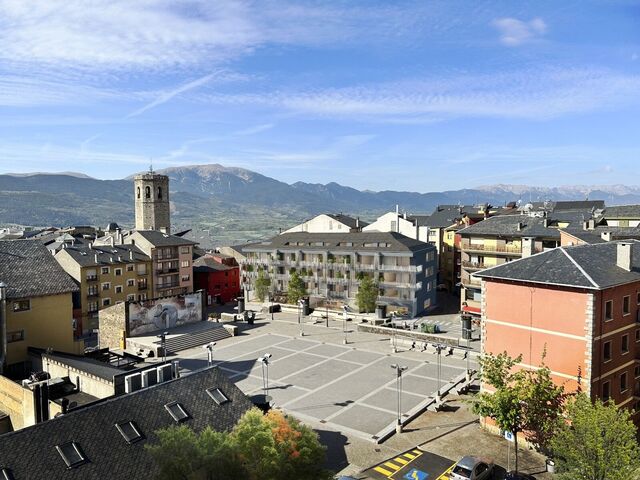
point(472, 468)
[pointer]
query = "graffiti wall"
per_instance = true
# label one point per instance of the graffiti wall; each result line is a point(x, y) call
point(163, 313)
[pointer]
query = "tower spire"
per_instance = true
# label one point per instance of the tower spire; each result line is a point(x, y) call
point(150, 165)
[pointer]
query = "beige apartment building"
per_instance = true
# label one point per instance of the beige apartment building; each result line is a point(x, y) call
point(106, 275)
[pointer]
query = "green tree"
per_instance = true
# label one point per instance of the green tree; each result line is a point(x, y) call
point(265, 447)
point(367, 294)
point(597, 442)
point(521, 401)
point(263, 282)
point(296, 289)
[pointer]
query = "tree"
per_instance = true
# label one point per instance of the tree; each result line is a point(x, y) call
point(597, 442)
point(265, 447)
point(263, 283)
point(367, 294)
point(296, 289)
point(522, 400)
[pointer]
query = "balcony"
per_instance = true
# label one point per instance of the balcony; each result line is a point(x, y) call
point(92, 278)
point(473, 265)
point(167, 271)
point(255, 261)
point(92, 294)
point(503, 249)
point(142, 287)
point(164, 286)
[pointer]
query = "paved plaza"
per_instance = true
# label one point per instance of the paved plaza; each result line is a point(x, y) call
point(348, 388)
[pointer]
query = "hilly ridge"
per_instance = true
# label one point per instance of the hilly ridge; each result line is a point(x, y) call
point(226, 205)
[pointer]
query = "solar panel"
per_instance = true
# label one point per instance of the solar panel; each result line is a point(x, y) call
point(217, 395)
point(71, 454)
point(176, 411)
point(129, 432)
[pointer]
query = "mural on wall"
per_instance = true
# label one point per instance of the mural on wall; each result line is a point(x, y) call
point(163, 313)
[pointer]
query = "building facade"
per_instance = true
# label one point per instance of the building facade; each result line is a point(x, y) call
point(329, 223)
point(332, 266)
point(580, 305)
point(106, 275)
point(218, 276)
point(151, 199)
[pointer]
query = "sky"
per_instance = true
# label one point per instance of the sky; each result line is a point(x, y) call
point(402, 95)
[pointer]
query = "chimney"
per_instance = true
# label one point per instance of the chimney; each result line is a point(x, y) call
point(357, 222)
point(589, 224)
point(606, 236)
point(119, 234)
point(113, 241)
point(528, 246)
point(120, 258)
point(546, 222)
point(404, 215)
point(130, 254)
point(64, 403)
point(624, 257)
point(90, 245)
point(96, 257)
point(520, 226)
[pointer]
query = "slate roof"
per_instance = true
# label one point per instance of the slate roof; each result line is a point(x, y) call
point(595, 235)
point(561, 206)
point(208, 264)
point(444, 215)
point(159, 239)
point(583, 266)
point(29, 270)
point(30, 453)
point(507, 226)
point(622, 211)
point(107, 254)
point(347, 220)
point(336, 241)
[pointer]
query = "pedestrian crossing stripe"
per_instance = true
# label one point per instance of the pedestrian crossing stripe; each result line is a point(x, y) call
point(383, 471)
point(389, 468)
point(445, 475)
point(393, 466)
point(402, 460)
point(410, 456)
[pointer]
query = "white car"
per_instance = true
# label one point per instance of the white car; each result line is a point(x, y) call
point(472, 468)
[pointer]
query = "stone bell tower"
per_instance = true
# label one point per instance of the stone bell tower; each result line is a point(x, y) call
point(151, 194)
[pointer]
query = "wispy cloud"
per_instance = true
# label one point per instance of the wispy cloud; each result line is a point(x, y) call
point(165, 96)
point(514, 32)
point(255, 129)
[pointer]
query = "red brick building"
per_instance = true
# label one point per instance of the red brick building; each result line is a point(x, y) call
point(219, 276)
point(581, 304)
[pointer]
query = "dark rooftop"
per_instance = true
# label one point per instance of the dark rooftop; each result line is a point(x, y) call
point(159, 239)
point(86, 364)
point(508, 226)
point(595, 235)
point(347, 220)
point(622, 212)
point(85, 256)
point(29, 270)
point(31, 452)
point(360, 241)
point(583, 266)
point(208, 264)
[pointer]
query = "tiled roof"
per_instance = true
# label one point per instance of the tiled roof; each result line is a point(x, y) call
point(29, 270)
point(384, 241)
point(31, 453)
point(347, 220)
point(508, 226)
point(159, 239)
point(584, 205)
point(622, 211)
point(107, 254)
point(208, 264)
point(584, 266)
point(595, 235)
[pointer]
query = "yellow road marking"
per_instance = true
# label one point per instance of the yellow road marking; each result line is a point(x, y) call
point(392, 465)
point(418, 452)
point(383, 471)
point(445, 475)
point(400, 460)
point(410, 456)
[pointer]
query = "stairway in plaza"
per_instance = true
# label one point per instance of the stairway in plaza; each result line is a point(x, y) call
point(214, 333)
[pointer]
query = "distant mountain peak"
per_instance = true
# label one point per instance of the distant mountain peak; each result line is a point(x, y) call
point(66, 174)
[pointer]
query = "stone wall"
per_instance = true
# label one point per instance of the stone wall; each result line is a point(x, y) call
point(90, 384)
point(17, 402)
point(112, 322)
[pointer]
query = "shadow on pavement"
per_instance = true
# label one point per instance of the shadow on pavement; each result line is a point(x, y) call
point(336, 454)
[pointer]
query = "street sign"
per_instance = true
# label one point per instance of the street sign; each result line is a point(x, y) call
point(509, 436)
point(416, 475)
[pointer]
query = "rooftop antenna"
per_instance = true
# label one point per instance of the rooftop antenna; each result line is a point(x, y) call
point(151, 166)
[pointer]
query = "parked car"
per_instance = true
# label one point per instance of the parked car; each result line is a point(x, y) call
point(518, 476)
point(472, 468)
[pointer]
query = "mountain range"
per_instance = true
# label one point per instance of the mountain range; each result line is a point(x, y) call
point(226, 205)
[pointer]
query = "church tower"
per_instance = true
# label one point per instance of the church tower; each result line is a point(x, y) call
point(151, 194)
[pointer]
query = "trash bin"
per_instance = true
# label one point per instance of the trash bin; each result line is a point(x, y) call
point(240, 304)
point(381, 311)
point(306, 310)
point(551, 466)
point(251, 317)
point(466, 327)
point(274, 308)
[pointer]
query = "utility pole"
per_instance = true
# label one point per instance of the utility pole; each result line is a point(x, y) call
point(399, 369)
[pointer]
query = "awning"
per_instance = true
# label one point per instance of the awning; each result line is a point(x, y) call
point(469, 309)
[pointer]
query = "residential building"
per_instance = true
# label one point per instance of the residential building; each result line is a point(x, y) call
point(219, 276)
point(620, 216)
point(329, 223)
point(151, 198)
point(171, 260)
point(37, 309)
point(107, 439)
point(580, 305)
point(332, 265)
point(106, 275)
point(596, 234)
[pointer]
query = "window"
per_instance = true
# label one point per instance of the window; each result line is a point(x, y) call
point(608, 310)
point(625, 344)
point(623, 382)
point(130, 267)
point(118, 272)
point(159, 193)
point(92, 307)
point(16, 336)
point(147, 192)
point(71, 454)
point(104, 270)
point(176, 411)
point(131, 282)
point(626, 305)
point(186, 278)
point(138, 192)
point(129, 432)
point(106, 286)
point(607, 351)
point(636, 371)
point(184, 263)
point(118, 288)
point(106, 302)
point(637, 335)
point(21, 305)
point(131, 298)
point(217, 395)
point(185, 250)
point(606, 391)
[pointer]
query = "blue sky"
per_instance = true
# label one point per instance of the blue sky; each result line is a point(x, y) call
point(420, 95)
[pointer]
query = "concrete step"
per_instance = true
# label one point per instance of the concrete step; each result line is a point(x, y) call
point(190, 340)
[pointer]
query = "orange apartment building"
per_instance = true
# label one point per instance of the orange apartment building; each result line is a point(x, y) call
point(581, 304)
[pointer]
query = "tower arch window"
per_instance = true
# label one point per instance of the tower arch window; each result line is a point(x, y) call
point(147, 192)
point(138, 192)
point(159, 193)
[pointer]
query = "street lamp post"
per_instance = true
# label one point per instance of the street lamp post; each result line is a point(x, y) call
point(209, 347)
point(300, 321)
point(264, 360)
point(163, 344)
point(439, 347)
point(271, 300)
point(399, 369)
point(344, 324)
point(3, 325)
point(394, 344)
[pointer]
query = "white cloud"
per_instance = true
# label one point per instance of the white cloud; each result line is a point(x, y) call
point(255, 129)
point(514, 32)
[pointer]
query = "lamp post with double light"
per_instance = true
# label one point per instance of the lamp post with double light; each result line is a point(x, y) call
point(209, 347)
point(163, 344)
point(264, 360)
point(399, 369)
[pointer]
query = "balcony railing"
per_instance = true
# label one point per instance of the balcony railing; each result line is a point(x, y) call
point(508, 249)
point(473, 265)
point(166, 271)
point(92, 278)
point(168, 285)
point(92, 294)
point(142, 287)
